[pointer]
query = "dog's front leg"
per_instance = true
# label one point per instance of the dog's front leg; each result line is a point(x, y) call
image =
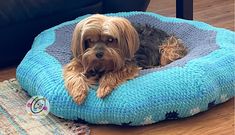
point(111, 80)
point(75, 81)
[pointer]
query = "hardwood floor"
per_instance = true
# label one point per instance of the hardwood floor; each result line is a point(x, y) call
point(219, 13)
point(217, 121)
point(7, 73)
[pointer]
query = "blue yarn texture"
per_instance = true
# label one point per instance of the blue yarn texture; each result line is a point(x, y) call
point(193, 84)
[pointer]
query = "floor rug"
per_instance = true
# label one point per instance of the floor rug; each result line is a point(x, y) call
point(14, 119)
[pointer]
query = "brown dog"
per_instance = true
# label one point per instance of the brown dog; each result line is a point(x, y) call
point(108, 51)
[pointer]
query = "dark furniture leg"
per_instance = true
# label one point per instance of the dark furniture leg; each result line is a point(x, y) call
point(184, 9)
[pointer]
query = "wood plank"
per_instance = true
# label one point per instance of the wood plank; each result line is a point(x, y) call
point(7, 73)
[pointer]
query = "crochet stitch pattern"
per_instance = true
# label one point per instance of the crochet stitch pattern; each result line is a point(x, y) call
point(202, 79)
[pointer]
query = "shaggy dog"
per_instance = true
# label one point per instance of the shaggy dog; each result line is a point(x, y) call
point(111, 50)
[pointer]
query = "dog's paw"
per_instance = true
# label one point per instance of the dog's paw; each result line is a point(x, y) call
point(77, 89)
point(103, 91)
point(79, 97)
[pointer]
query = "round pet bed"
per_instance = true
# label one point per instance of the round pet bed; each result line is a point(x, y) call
point(202, 79)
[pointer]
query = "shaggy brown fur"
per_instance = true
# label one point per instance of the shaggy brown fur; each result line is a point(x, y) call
point(110, 51)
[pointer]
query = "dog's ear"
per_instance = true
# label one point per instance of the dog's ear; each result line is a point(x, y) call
point(76, 45)
point(129, 38)
point(132, 39)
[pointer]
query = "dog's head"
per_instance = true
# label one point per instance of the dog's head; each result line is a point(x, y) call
point(103, 43)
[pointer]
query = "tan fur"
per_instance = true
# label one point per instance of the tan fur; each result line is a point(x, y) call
point(99, 26)
point(111, 80)
point(171, 50)
point(74, 81)
point(117, 61)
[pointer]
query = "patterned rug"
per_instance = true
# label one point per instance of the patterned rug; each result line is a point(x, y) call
point(14, 119)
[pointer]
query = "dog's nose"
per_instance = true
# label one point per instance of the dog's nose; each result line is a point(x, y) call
point(99, 54)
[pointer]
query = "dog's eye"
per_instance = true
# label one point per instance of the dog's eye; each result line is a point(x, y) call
point(110, 40)
point(89, 40)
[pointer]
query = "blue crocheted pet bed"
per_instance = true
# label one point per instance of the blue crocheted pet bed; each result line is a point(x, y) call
point(202, 79)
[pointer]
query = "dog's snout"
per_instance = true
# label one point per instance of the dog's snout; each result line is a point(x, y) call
point(99, 54)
